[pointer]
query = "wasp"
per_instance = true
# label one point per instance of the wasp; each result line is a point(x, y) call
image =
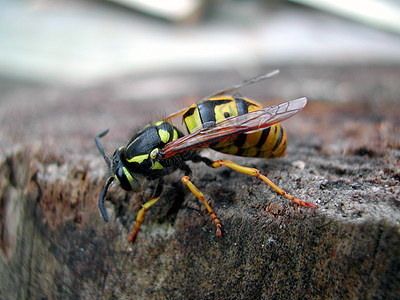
point(228, 124)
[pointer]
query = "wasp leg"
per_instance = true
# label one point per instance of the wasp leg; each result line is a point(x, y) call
point(200, 195)
point(146, 206)
point(255, 173)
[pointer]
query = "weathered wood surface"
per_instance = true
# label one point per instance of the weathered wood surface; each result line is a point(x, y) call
point(343, 156)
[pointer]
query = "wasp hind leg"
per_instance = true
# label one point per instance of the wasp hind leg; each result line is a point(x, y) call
point(255, 173)
point(146, 206)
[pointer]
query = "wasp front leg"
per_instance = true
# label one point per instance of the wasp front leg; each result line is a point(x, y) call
point(146, 206)
point(256, 173)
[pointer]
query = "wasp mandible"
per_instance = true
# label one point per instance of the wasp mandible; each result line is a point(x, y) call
point(228, 124)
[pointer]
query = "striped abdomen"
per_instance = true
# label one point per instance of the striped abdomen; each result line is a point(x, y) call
point(267, 143)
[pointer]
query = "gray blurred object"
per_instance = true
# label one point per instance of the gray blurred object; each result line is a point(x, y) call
point(81, 43)
point(382, 14)
point(173, 10)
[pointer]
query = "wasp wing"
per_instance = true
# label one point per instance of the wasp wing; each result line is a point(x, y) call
point(175, 114)
point(238, 86)
point(247, 123)
point(228, 90)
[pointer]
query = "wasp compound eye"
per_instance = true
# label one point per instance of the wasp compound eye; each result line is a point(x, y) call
point(124, 178)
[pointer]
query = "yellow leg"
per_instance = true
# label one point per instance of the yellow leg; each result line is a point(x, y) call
point(140, 217)
point(255, 173)
point(199, 194)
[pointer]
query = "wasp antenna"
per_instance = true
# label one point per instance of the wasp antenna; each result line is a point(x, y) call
point(103, 197)
point(100, 147)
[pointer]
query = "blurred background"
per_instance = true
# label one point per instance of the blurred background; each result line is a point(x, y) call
point(82, 42)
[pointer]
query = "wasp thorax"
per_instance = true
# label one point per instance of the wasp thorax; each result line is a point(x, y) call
point(128, 180)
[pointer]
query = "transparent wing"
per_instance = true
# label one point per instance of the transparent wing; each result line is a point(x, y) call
point(228, 90)
point(238, 86)
point(175, 114)
point(247, 123)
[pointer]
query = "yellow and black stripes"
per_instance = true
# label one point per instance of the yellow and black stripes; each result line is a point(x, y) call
point(267, 143)
point(209, 112)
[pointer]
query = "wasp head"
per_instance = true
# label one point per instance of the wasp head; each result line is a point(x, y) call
point(128, 180)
